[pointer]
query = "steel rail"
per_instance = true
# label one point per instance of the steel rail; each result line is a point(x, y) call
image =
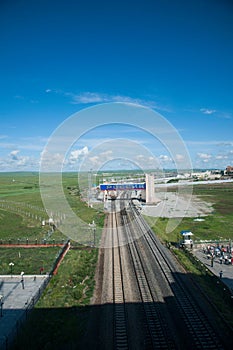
point(120, 315)
point(197, 324)
point(157, 336)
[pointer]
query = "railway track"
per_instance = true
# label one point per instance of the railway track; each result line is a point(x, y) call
point(156, 335)
point(154, 326)
point(120, 316)
point(152, 307)
point(197, 325)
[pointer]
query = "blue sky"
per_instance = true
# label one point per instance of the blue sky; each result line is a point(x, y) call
point(59, 57)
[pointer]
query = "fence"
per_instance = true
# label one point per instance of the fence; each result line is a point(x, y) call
point(7, 341)
point(27, 241)
point(219, 242)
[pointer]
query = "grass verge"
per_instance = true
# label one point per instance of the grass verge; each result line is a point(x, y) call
point(29, 260)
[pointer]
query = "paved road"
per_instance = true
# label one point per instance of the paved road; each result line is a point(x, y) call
point(17, 294)
point(227, 275)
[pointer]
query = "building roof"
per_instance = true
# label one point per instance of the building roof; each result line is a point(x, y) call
point(186, 233)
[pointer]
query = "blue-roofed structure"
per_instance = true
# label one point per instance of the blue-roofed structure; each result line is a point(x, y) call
point(122, 186)
point(186, 237)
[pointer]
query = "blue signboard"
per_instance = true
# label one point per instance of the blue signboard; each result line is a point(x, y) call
point(123, 186)
point(105, 187)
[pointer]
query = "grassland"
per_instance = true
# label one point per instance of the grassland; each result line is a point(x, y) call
point(29, 260)
point(22, 210)
point(219, 224)
point(216, 226)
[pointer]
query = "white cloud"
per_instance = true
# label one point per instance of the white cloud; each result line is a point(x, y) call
point(179, 158)
point(27, 143)
point(89, 97)
point(23, 161)
point(107, 153)
point(207, 111)
point(140, 156)
point(225, 115)
point(204, 155)
point(77, 154)
point(51, 161)
point(96, 97)
point(95, 160)
point(209, 143)
point(219, 157)
point(14, 154)
point(218, 114)
point(14, 161)
point(164, 158)
point(19, 97)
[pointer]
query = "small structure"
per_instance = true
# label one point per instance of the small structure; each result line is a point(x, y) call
point(150, 189)
point(187, 238)
point(229, 170)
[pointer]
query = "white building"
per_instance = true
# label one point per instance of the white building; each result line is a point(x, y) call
point(150, 189)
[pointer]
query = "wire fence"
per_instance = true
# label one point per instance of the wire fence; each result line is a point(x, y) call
point(7, 341)
point(27, 241)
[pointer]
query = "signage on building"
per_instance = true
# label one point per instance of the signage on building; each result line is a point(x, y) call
point(123, 186)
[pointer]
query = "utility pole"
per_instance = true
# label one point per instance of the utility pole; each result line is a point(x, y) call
point(22, 279)
point(93, 228)
point(1, 305)
point(11, 264)
point(89, 186)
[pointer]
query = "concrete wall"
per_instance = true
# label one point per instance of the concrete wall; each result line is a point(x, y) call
point(150, 189)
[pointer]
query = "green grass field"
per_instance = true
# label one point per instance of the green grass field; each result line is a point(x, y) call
point(216, 226)
point(29, 260)
point(22, 210)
